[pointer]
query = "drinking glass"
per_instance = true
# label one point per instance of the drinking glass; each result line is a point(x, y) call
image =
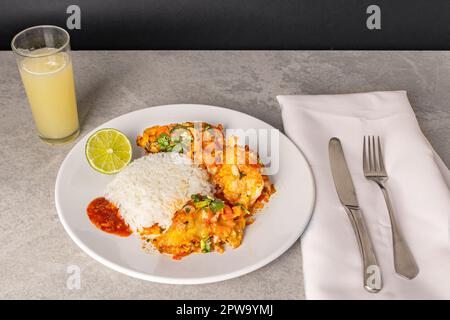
point(45, 66)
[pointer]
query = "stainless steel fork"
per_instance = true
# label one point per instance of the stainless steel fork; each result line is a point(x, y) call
point(374, 170)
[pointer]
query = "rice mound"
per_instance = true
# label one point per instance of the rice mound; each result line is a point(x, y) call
point(152, 188)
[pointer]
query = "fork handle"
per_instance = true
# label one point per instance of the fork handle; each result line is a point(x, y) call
point(404, 262)
point(371, 270)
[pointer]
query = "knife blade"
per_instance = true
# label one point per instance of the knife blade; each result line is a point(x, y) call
point(341, 174)
point(347, 195)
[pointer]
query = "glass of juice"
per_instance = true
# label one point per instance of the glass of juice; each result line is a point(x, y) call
point(45, 66)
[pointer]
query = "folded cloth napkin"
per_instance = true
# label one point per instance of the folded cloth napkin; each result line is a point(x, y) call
point(418, 184)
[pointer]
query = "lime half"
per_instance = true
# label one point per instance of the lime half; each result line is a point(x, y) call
point(108, 151)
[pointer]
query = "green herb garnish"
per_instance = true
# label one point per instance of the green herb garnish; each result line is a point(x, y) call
point(180, 139)
point(187, 209)
point(205, 245)
point(216, 205)
point(163, 141)
point(207, 201)
point(202, 204)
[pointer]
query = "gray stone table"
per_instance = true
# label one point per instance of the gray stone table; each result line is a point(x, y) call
point(35, 251)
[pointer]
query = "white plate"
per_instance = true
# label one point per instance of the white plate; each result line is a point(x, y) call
point(276, 228)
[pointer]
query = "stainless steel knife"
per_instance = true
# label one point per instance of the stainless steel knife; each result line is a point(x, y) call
point(347, 195)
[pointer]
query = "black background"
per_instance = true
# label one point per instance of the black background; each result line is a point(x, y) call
point(237, 24)
point(282, 309)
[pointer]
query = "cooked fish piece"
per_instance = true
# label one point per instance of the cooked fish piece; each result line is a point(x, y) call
point(179, 137)
point(239, 177)
point(203, 225)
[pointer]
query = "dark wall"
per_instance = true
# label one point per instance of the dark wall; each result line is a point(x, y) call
point(237, 24)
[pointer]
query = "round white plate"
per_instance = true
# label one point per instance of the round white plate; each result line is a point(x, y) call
point(278, 225)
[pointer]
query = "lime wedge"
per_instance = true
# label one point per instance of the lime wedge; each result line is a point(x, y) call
point(108, 151)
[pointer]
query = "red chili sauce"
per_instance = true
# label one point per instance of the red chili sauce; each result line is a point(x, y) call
point(105, 216)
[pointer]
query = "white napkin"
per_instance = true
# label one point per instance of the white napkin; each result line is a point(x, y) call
point(418, 184)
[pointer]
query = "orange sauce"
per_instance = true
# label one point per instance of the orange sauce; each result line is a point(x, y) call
point(106, 216)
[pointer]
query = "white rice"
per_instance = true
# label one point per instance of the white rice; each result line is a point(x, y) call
point(152, 188)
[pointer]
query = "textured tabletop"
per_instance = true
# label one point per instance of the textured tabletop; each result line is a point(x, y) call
point(35, 251)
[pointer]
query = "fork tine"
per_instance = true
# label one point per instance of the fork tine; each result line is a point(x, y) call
point(370, 153)
point(374, 153)
point(380, 156)
point(365, 167)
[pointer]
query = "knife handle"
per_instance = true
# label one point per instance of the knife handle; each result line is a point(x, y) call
point(371, 269)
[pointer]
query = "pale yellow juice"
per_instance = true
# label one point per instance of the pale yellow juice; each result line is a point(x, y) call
point(49, 85)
